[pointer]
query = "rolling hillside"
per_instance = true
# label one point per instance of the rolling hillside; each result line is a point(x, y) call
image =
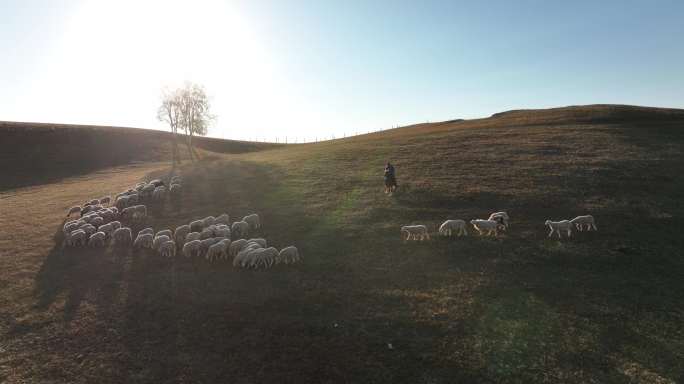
point(36, 153)
point(366, 307)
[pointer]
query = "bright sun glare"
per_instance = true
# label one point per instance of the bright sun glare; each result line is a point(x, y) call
point(115, 58)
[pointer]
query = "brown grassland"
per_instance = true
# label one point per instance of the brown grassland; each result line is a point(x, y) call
point(365, 307)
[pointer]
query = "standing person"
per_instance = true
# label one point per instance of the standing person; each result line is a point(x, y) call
point(390, 178)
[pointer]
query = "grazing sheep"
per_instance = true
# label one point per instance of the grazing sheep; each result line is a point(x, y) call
point(115, 224)
point(559, 226)
point(196, 226)
point(192, 236)
point(222, 230)
point(76, 238)
point(122, 236)
point(259, 241)
point(156, 183)
point(218, 250)
point(206, 233)
point(149, 230)
point(175, 190)
point(89, 229)
point(206, 243)
point(587, 220)
point(415, 231)
point(450, 226)
point(244, 257)
point(106, 200)
point(491, 226)
point(159, 193)
point(264, 257)
point(97, 240)
point(121, 203)
point(192, 248)
point(288, 255)
point(71, 226)
point(144, 240)
point(209, 220)
point(166, 232)
point(147, 191)
point(253, 221)
point(168, 249)
point(107, 229)
point(158, 241)
point(74, 209)
point(180, 233)
point(93, 202)
point(97, 221)
point(223, 219)
point(236, 246)
point(501, 217)
point(140, 212)
point(240, 228)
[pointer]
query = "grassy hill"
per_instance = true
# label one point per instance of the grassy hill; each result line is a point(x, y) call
point(36, 153)
point(603, 307)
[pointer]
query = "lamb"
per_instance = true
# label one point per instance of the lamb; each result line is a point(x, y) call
point(587, 220)
point(288, 255)
point(76, 238)
point(223, 219)
point(559, 226)
point(144, 240)
point(168, 249)
point(491, 226)
point(253, 221)
point(240, 228)
point(450, 226)
point(415, 231)
point(158, 241)
point(192, 236)
point(192, 248)
point(196, 226)
point(166, 232)
point(97, 240)
point(122, 236)
point(180, 233)
point(501, 217)
point(74, 209)
point(149, 230)
point(105, 200)
point(236, 246)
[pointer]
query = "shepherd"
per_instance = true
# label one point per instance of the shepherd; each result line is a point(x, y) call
point(390, 178)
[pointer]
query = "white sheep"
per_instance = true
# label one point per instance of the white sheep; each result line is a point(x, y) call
point(140, 212)
point(222, 230)
point(175, 190)
point(71, 226)
point(116, 225)
point(180, 233)
point(288, 255)
point(264, 257)
point(244, 257)
point(166, 232)
point(106, 200)
point(168, 249)
point(206, 233)
point(559, 226)
point(415, 232)
point(88, 228)
point(158, 241)
point(74, 209)
point(253, 221)
point(223, 219)
point(587, 220)
point(192, 248)
point(121, 203)
point(218, 250)
point(259, 241)
point(192, 236)
point(196, 226)
point(97, 221)
point(122, 236)
point(209, 220)
point(240, 228)
point(206, 243)
point(491, 226)
point(107, 229)
point(450, 226)
point(159, 193)
point(236, 246)
point(76, 238)
point(97, 240)
point(143, 240)
point(149, 230)
point(501, 217)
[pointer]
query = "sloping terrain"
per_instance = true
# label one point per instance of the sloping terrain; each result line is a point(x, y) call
point(36, 153)
point(603, 307)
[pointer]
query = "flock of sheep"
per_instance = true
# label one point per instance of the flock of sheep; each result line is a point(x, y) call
point(496, 221)
point(208, 238)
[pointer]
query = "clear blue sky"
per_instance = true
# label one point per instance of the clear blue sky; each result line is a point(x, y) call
point(316, 68)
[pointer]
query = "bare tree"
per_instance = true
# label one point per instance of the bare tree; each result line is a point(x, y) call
point(186, 108)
